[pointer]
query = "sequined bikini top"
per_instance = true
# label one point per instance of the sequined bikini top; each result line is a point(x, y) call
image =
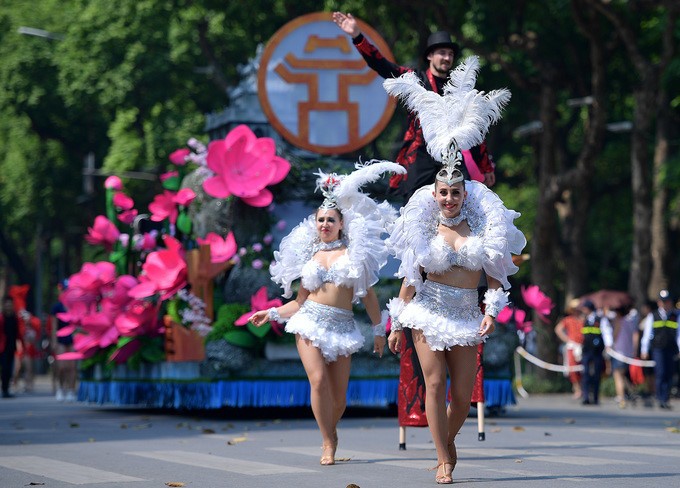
point(314, 274)
point(443, 257)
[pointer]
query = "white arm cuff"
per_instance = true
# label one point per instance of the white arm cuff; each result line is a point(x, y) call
point(381, 328)
point(495, 301)
point(395, 307)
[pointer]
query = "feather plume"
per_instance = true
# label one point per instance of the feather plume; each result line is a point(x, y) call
point(462, 113)
point(366, 173)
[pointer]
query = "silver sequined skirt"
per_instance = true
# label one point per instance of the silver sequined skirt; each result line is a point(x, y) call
point(331, 329)
point(448, 316)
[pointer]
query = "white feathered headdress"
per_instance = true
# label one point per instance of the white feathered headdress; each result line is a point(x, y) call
point(457, 120)
point(365, 222)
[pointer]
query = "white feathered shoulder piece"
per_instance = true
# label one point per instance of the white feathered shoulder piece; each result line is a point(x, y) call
point(461, 113)
point(491, 224)
point(364, 223)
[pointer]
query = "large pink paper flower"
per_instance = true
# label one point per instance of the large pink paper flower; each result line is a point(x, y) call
point(536, 299)
point(221, 250)
point(259, 301)
point(85, 285)
point(244, 166)
point(164, 272)
point(102, 233)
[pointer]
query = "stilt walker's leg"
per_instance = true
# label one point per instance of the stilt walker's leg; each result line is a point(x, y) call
point(402, 438)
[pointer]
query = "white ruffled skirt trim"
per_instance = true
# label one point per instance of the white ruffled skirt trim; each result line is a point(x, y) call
point(330, 329)
point(447, 316)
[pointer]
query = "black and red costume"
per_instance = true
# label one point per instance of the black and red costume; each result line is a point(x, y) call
point(413, 155)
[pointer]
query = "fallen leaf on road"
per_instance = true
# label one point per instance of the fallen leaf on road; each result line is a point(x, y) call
point(342, 460)
point(518, 461)
point(174, 483)
point(518, 428)
point(497, 429)
point(673, 430)
point(208, 431)
point(74, 425)
point(569, 421)
point(236, 440)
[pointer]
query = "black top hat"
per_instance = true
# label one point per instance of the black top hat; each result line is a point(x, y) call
point(440, 39)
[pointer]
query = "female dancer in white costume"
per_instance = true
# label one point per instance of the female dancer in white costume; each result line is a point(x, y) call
point(338, 252)
point(452, 231)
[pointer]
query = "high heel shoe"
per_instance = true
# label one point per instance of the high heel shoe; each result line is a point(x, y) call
point(445, 478)
point(328, 454)
point(453, 454)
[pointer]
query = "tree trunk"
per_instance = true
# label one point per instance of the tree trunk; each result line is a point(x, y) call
point(659, 278)
point(641, 259)
point(543, 244)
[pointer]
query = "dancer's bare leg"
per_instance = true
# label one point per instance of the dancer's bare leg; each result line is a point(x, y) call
point(462, 365)
point(339, 378)
point(323, 402)
point(433, 364)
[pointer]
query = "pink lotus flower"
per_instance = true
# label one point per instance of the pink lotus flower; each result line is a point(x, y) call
point(536, 299)
point(102, 233)
point(244, 165)
point(179, 157)
point(127, 217)
point(139, 318)
point(517, 315)
point(259, 301)
point(164, 272)
point(122, 201)
point(113, 183)
point(221, 250)
point(85, 285)
point(167, 175)
point(164, 207)
point(184, 197)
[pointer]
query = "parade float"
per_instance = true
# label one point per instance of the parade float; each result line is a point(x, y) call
point(163, 321)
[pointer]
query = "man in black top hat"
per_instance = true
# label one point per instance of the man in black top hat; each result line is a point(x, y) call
point(439, 55)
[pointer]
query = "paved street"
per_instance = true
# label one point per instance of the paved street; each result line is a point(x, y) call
point(544, 441)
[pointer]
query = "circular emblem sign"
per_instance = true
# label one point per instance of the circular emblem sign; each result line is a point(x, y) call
point(317, 90)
